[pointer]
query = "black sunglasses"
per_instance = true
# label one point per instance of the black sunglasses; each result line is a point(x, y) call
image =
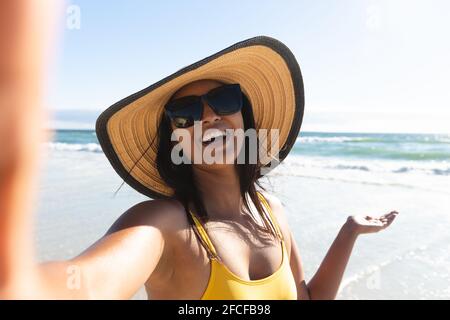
point(224, 100)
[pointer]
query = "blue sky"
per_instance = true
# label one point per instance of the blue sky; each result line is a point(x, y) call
point(384, 64)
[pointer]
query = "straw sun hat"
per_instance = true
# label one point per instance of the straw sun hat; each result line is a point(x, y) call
point(269, 76)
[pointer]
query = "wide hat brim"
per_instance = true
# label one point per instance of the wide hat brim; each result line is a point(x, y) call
point(268, 74)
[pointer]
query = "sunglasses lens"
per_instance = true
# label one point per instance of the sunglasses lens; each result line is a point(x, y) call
point(184, 111)
point(181, 122)
point(226, 99)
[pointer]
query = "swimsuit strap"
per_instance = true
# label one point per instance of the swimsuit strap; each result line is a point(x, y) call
point(204, 235)
point(272, 217)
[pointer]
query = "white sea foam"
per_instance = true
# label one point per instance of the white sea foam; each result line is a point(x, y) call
point(440, 139)
point(60, 146)
point(428, 176)
point(314, 139)
point(441, 168)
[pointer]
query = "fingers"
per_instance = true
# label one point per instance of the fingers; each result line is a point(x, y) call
point(390, 215)
point(384, 216)
point(389, 219)
point(371, 224)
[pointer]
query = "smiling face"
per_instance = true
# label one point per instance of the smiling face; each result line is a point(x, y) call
point(196, 141)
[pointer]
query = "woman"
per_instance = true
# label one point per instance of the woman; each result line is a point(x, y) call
point(210, 234)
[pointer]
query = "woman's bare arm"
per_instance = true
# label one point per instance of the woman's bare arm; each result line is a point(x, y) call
point(297, 271)
point(24, 35)
point(114, 267)
point(117, 265)
point(325, 283)
point(121, 261)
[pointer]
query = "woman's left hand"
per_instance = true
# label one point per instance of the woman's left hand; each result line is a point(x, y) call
point(361, 224)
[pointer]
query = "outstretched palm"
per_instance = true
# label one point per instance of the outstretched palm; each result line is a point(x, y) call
point(368, 224)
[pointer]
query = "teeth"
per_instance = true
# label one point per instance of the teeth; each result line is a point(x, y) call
point(212, 134)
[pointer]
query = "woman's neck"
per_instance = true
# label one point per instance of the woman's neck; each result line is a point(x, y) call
point(221, 192)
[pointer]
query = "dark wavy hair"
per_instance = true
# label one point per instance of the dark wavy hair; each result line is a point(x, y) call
point(180, 178)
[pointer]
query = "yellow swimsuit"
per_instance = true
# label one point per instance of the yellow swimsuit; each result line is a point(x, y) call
point(225, 285)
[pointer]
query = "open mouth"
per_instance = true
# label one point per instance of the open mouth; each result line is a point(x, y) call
point(213, 140)
point(214, 137)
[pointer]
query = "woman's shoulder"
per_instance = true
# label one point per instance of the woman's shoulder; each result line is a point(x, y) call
point(278, 211)
point(164, 214)
point(274, 202)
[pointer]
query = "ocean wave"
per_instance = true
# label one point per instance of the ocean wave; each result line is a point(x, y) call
point(314, 139)
point(370, 152)
point(434, 171)
point(442, 172)
point(386, 139)
point(86, 147)
point(437, 168)
point(397, 167)
point(351, 167)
